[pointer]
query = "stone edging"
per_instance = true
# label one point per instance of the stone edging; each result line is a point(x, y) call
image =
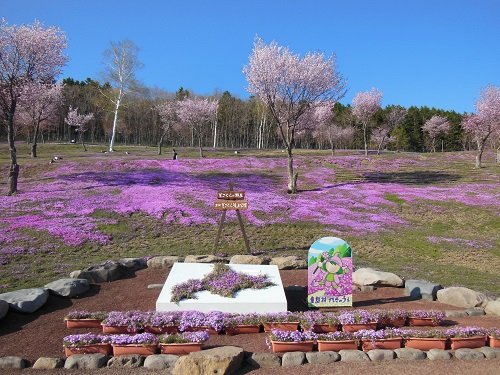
point(254, 360)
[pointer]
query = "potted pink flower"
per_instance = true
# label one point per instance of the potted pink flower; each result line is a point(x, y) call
point(183, 343)
point(163, 322)
point(236, 324)
point(291, 341)
point(425, 339)
point(356, 320)
point(87, 343)
point(84, 319)
point(141, 344)
point(494, 338)
point(336, 341)
point(284, 321)
point(419, 318)
point(319, 322)
point(389, 338)
point(467, 337)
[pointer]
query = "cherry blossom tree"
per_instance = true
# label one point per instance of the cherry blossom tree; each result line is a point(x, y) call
point(121, 64)
point(291, 86)
point(28, 53)
point(486, 122)
point(38, 105)
point(364, 106)
point(381, 135)
point(78, 122)
point(434, 127)
point(198, 113)
point(168, 117)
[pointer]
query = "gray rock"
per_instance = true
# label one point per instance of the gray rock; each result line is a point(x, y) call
point(248, 259)
point(455, 313)
point(220, 360)
point(381, 355)
point(489, 353)
point(322, 357)
point(475, 311)
point(293, 359)
point(163, 261)
point(410, 353)
point(353, 356)
point(4, 308)
point(438, 354)
point(155, 286)
point(205, 259)
point(289, 263)
point(26, 300)
point(418, 288)
point(86, 361)
point(369, 276)
point(264, 360)
point(68, 287)
point(128, 361)
point(160, 361)
point(493, 308)
point(104, 272)
point(467, 354)
point(12, 362)
point(47, 363)
point(367, 288)
point(75, 274)
point(461, 297)
point(134, 264)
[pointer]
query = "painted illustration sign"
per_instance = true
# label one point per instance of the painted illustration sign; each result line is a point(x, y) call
point(329, 273)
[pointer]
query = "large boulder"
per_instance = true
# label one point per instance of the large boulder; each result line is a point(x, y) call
point(461, 297)
point(48, 363)
point(410, 354)
point(418, 289)
point(164, 261)
point(26, 300)
point(104, 272)
point(133, 264)
point(68, 287)
point(293, 359)
point(492, 308)
point(127, 361)
point(160, 361)
point(369, 276)
point(12, 362)
point(381, 355)
point(86, 361)
point(205, 259)
point(353, 356)
point(438, 354)
point(468, 354)
point(222, 360)
point(322, 358)
point(248, 259)
point(289, 262)
point(4, 308)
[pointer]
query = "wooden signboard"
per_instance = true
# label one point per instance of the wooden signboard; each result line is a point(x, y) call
point(223, 204)
point(231, 195)
point(231, 200)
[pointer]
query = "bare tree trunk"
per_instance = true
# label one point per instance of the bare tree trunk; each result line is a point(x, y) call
point(480, 149)
point(215, 133)
point(292, 176)
point(14, 167)
point(199, 145)
point(115, 122)
point(332, 146)
point(35, 138)
point(365, 125)
point(498, 155)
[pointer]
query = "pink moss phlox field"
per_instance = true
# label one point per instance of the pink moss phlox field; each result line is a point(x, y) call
point(62, 201)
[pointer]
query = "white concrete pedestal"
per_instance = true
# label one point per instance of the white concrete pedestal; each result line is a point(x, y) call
point(270, 299)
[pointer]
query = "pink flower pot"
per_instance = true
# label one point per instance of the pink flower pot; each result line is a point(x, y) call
point(243, 329)
point(391, 344)
point(83, 323)
point(88, 349)
point(354, 327)
point(180, 348)
point(302, 346)
point(425, 343)
point(467, 342)
point(325, 328)
point(324, 346)
point(146, 349)
point(284, 326)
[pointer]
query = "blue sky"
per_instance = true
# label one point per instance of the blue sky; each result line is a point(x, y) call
point(437, 53)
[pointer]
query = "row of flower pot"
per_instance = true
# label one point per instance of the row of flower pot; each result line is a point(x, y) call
point(141, 344)
point(216, 321)
point(456, 338)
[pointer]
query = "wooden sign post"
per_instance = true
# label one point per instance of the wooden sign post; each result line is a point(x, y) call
point(231, 200)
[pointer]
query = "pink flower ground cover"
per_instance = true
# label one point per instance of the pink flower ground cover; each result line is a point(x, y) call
point(62, 201)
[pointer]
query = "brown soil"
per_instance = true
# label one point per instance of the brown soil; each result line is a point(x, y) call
point(31, 336)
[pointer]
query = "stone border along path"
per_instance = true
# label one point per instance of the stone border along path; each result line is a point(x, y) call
point(229, 359)
point(365, 279)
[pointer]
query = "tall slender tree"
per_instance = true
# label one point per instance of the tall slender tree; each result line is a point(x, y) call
point(291, 86)
point(121, 63)
point(382, 134)
point(364, 106)
point(78, 122)
point(28, 53)
point(434, 127)
point(168, 117)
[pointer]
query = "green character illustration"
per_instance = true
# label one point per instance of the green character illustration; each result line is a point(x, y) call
point(332, 266)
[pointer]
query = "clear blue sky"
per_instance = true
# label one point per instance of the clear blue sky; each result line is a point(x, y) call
point(437, 53)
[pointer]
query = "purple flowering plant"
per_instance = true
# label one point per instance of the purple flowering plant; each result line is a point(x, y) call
point(191, 319)
point(164, 318)
point(281, 317)
point(231, 320)
point(290, 336)
point(221, 280)
point(381, 334)
point(494, 332)
point(138, 339)
point(336, 336)
point(75, 341)
point(134, 320)
point(308, 319)
point(185, 337)
point(84, 314)
point(435, 315)
point(392, 314)
point(460, 332)
point(358, 317)
point(424, 333)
